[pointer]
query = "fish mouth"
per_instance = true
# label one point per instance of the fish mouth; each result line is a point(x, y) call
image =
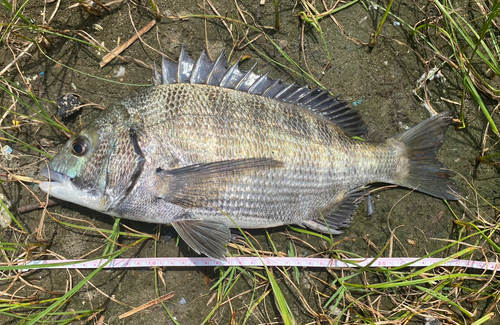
point(56, 178)
point(61, 186)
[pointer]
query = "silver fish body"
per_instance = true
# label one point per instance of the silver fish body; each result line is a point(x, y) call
point(210, 147)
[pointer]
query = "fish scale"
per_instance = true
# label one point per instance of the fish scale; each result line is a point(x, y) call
point(210, 147)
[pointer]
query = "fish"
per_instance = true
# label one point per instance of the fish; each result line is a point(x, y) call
point(210, 147)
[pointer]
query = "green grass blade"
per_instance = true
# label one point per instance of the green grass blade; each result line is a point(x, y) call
point(443, 298)
point(312, 233)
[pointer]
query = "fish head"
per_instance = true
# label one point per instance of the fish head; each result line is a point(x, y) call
point(78, 172)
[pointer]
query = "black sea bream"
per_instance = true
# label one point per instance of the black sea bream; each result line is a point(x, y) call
point(210, 141)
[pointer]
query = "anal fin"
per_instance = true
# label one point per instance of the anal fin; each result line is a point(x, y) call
point(204, 237)
point(337, 216)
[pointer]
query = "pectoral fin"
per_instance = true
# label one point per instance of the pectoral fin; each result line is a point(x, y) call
point(195, 185)
point(204, 237)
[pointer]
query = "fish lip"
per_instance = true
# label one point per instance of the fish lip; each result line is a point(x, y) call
point(54, 176)
point(62, 187)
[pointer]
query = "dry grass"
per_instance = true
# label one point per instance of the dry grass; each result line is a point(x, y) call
point(236, 295)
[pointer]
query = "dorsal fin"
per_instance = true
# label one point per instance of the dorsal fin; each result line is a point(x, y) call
point(221, 74)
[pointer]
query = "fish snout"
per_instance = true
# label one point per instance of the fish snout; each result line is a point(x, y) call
point(54, 176)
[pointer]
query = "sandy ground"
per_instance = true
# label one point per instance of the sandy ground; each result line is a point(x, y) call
point(380, 81)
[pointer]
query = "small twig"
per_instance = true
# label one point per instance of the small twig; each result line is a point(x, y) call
point(299, 295)
point(241, 47)
point(245, 292)
point(143, 42)
point(110, 56)
point(206, 29)
point(23, 53)
point(77, 108)
point(229, 29)
point(100, 5)
point(36, 206)
point(482, 157)
point(12, 107)
point(449, 101)
point(54, 12)
point(349, 37)
point(147, 305)
point(304, 54)
point(292, 237)
point(16, 178)
point(240, 12)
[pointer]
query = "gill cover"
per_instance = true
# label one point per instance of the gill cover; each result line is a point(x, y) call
point(75, 172)
point(97, 168)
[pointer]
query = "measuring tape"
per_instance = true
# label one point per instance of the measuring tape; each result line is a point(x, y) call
point(120, 263)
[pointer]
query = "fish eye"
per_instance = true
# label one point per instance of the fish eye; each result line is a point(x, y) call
point(79, 147)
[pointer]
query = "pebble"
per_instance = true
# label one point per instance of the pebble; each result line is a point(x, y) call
point(358, 102)
point(7, 152)
point(370, 206)
point(5, 219)
point(121, 72)
point(169, 235)
point(66, 104)
point(432, 321)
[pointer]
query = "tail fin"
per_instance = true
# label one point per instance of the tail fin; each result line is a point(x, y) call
point(426, 173)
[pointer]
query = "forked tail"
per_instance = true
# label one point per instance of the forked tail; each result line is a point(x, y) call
point(426, 174)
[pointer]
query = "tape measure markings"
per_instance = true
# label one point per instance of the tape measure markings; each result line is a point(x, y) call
point(255, 261)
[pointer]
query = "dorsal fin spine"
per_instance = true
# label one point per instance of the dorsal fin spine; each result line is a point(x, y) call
point(245, 77)
point(278, 95)
point(274, 86)
point(201, 69)
point(221, 60)
point(319, 91)
point(226, 80)
point(300, 93)
point(319, 105)
point(156, 75)
point(184, 67)
point(253, 88)
point(218, 74)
